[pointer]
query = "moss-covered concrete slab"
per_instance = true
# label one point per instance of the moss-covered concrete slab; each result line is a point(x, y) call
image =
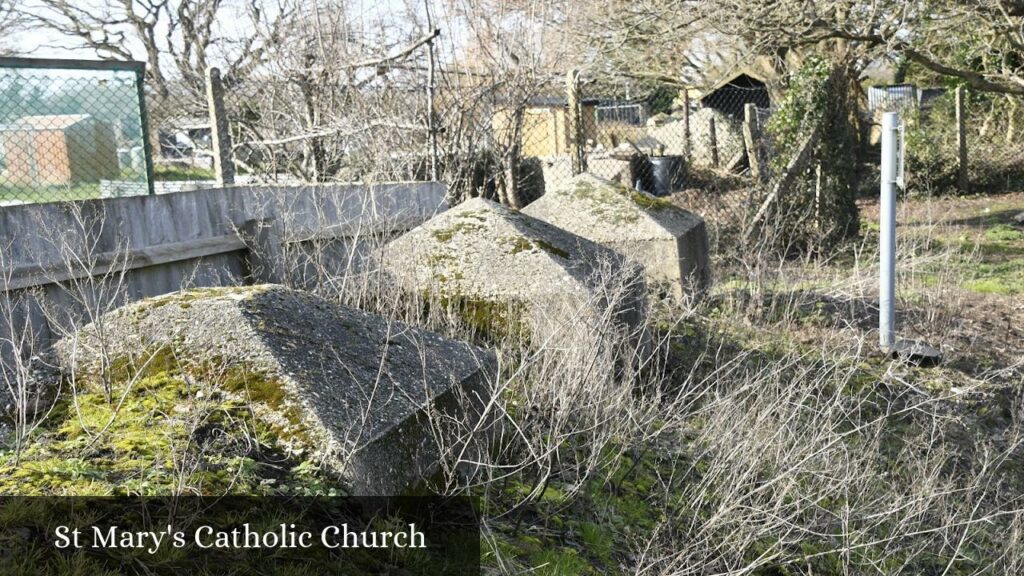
point(351, 389)
point(670, 243)
point(553, 281)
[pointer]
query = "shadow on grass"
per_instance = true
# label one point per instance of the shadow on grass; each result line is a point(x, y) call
point(985, 220)
point(971, 345)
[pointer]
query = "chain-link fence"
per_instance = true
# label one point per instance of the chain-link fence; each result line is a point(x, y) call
point(286, 128)
point(691, 145)
point(76, 130)
point(994, 141)
point(309, 129)
point(971, 141)
point(71, 130)
point(508, 141)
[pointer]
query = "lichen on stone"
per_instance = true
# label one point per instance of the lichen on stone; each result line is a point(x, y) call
point(607, 200)
point(461, 227)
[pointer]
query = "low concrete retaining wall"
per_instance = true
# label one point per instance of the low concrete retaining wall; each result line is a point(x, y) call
point(150, 245)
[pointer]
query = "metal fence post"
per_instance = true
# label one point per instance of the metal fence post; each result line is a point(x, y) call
point(220, 131)
point(686, 122)
point(818, 182)
point(147, 146)
point(963, 181)
point(713, 141)
point(575, 121)
point(887, 235)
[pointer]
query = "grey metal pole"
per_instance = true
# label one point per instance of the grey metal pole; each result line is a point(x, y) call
point(887, 236)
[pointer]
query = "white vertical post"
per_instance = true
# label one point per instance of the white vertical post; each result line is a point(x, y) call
point(887, 239)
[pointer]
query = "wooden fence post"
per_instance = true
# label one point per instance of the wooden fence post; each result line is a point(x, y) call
point(264, 258)
point(963, 181)
point(574, 118)
point(752, 139)
point(220, 132)
point(713, 141)
point(785, 181)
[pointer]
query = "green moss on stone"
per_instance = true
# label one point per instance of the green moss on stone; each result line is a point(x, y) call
point(492, 320)
point(606, 201)
point(478, 215)
point(163, 424)
point(649, 202)
point(497, 320)
point(469, 222)
point(256, 386)
point(521, 244)
point(444, 267)
point(186, 297)
point(552, 249)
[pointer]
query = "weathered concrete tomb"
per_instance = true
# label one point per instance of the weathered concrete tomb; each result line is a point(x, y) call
point(348, 388)
point(668, 241)
point(554, 283)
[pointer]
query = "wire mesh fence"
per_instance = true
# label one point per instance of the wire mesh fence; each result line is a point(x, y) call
point(995, 141)
point(978, 148)
point(306, 129)
point(71, 130)
point(691, 147)
point(80, 131)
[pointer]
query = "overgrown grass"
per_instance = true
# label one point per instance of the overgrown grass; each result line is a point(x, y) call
point(763, 433)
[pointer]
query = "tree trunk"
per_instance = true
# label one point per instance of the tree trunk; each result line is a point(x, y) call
point(508, 189)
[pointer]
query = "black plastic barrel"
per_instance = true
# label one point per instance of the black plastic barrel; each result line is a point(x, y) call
point(669, 174)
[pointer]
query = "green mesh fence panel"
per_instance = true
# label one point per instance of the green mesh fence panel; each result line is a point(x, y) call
point(71, 130)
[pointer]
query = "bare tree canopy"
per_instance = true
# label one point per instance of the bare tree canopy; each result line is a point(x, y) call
point(977, 43)
point(176, 38)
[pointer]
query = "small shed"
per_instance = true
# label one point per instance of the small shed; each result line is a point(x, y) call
point(58, 150)
point(545, 125)
point(731, 94)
